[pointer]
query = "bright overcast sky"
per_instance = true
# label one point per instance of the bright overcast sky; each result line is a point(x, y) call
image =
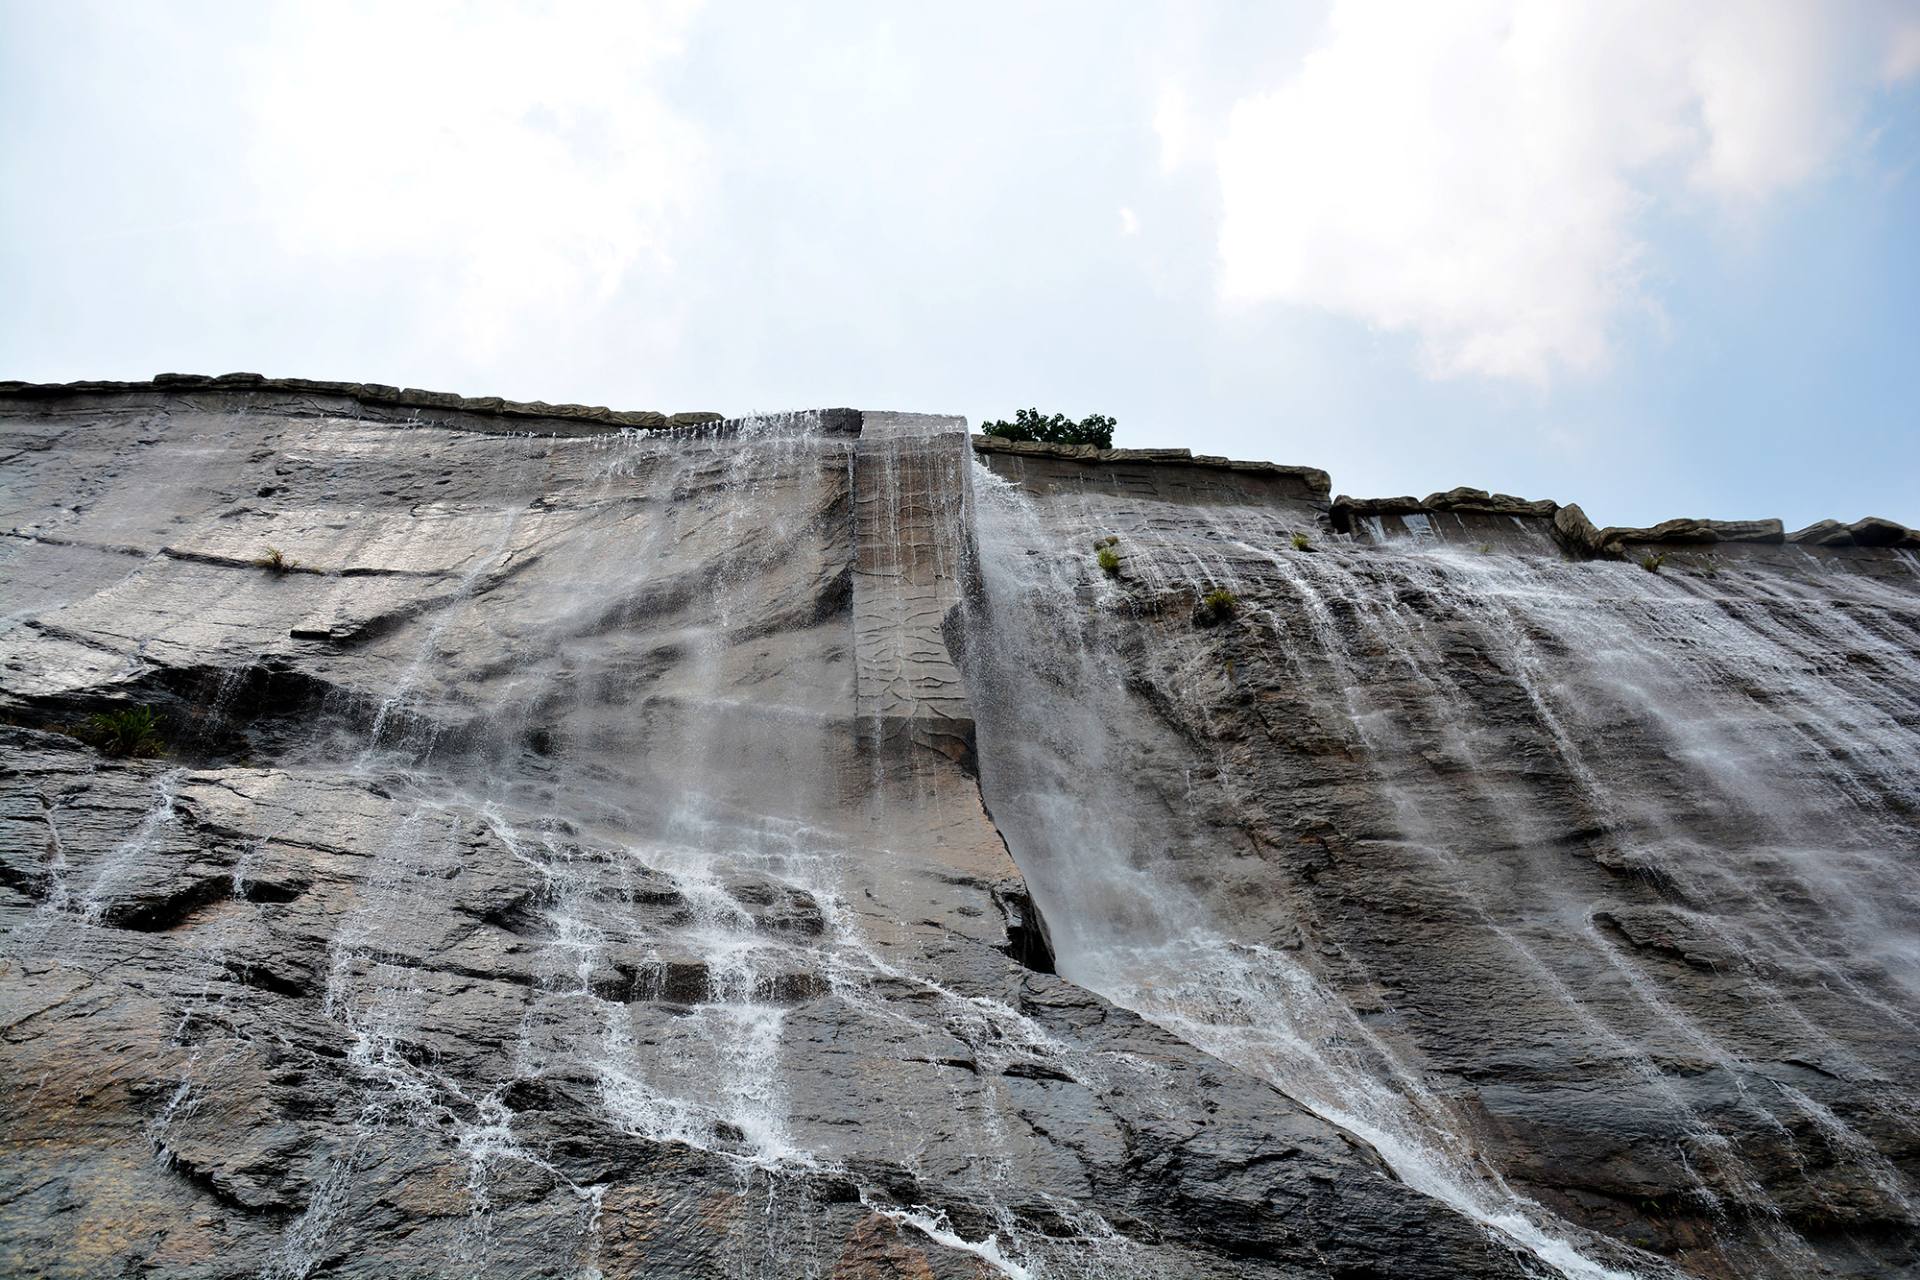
point(1658, 258)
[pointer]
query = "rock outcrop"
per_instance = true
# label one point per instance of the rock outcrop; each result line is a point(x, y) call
point(357, 399)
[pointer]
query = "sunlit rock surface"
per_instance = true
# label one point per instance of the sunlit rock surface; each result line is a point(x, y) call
point(573, 858)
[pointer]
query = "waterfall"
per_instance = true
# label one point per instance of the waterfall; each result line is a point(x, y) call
point(1472, 707)
point(650, 970)
point(1063, 789)
point(699, 876)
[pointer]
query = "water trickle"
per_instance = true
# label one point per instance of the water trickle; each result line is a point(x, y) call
point(97, 898)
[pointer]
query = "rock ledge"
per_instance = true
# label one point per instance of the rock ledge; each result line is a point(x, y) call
point(373, 394)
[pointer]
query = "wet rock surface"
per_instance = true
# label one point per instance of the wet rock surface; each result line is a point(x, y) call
point(1584, 888)
point(562, 861)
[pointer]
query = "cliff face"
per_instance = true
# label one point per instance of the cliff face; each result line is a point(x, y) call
point(574, 857)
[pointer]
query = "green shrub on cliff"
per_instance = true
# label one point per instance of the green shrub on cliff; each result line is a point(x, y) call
point(1095, 429)
point(1109, 560)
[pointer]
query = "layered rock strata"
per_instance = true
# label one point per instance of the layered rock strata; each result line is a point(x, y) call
point(1464, 512)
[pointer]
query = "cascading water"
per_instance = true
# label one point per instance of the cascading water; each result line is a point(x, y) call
point(610, 849)
point(1065, 792)
point(686, 901)
point(1124, 754)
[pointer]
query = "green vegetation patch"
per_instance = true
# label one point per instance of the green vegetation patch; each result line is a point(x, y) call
point(128, 731)
point(1216, 607)
point(1095, 429)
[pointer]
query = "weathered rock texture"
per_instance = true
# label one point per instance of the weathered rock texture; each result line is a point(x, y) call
point(912, 522)
point(563, 862)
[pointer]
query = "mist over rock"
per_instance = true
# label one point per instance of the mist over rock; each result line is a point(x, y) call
point(591, 843)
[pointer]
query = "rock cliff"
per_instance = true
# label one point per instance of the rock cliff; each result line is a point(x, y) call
point(579, 843)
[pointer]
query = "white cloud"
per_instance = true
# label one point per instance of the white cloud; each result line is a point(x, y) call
point(1129, 222)
point(515, 162)
point(1474, 175)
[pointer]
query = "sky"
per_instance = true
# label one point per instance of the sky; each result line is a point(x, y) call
point(1659, 259)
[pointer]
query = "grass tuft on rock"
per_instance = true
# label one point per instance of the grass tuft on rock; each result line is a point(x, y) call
point(1652, 561)
point(125, 732)
point(1301, 542)
point(1108, 559)
point(1216, 607)
point(275, 561)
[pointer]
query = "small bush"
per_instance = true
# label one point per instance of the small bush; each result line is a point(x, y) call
point(1095, 429)
point(1651, 562)
point(1109, 560)
point(129, 731)
point(1486, 548)
point(1301, 542)
point(1216, 607)
point(275, 561)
